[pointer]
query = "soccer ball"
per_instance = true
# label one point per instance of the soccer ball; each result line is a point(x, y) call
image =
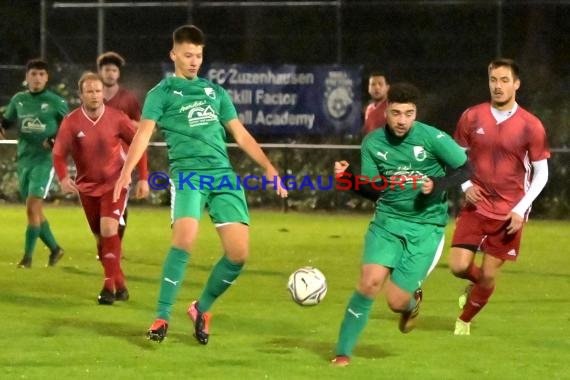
point(308, 286)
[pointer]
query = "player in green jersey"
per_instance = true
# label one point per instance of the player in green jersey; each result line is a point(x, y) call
point(195, 115)
point(405, 167)
point(37, 112)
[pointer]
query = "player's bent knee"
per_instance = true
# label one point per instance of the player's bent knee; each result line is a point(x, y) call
point(369, 287)
point(184, 233)
point(459, 261)
point(238, 257)
point(457, 270)
point(398, 300)
point(185, 244)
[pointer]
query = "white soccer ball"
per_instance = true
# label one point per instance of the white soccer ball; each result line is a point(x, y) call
point(308, 286)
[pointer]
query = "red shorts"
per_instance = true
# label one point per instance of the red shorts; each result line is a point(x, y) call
point(103, 206)
point(474, 231)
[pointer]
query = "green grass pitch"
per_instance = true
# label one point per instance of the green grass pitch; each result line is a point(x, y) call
point(52, 326)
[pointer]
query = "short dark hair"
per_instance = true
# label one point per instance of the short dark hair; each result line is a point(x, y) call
point(188, 33)
point(110, 58)
point(403, 93)
point(378, 73)
point(505, 62)
point(36, 63)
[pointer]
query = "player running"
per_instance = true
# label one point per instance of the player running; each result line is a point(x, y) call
point(508, 149)
point(405, 239)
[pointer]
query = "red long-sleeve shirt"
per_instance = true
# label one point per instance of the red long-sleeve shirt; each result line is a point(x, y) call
point(501, 155)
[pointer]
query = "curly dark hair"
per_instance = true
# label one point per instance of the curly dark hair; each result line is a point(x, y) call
point(403, 93)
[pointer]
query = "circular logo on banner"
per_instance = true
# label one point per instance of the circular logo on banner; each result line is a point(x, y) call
point(339, 102)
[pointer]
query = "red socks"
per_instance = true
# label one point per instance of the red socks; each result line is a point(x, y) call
point(477, 300)
point(110, 255)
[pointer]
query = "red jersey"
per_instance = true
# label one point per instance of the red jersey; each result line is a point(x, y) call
point(501, 155)
point(96, 149)
point(374, 117)
point(127, 102)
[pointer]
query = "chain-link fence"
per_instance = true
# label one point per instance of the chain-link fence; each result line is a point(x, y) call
point(310, 177)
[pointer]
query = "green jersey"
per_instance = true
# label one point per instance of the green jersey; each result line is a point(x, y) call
point(38, 115)
point(191, 114)
point(403, 163)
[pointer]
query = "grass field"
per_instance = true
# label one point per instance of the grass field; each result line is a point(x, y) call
point(53, 327)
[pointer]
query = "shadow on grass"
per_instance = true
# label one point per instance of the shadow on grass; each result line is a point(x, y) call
point(129, 277)
point(191, 267)
point(260, 272)
point(435, 323)
point(81, 272)
point(285, 345)
point(39, 301)
point(134, 335)
point(99, 274)
point(424, 322)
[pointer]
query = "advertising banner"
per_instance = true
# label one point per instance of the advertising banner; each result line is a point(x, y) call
point(292, 100)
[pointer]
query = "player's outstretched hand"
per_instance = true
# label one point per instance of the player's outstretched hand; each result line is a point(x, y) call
point(427, 186)
point(473, 194)
point(279, 188)
point(515, 224)
point(142, 189)
point(340, 167)
point(68, 185)
point(122, 183)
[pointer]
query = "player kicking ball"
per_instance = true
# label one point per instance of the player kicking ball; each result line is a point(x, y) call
point(195, 116)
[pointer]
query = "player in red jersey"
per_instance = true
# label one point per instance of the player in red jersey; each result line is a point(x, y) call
point(508, 150)
point(109, 67)
point(93, 135)
point(375, 113)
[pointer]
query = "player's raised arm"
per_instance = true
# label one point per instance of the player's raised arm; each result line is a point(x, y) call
point(136, 151)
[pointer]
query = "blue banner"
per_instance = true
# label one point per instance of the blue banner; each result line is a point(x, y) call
point(293, 100)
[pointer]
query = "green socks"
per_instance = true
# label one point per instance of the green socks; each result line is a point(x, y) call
point(172, 275)
point(32, 234)
point(222, 276)
point(47, 236)
point(355, 319)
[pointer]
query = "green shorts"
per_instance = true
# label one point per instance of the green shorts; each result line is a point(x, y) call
point(219, 192)
point(410, 249)
point(35, 181)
